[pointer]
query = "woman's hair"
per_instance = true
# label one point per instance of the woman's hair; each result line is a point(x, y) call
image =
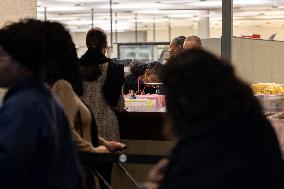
point(22, 41)
point(96, 38)
point(154, 66)
point(201, 87)
point(44, 47)
point(91, 69)
point(138, 67)
point(60, 56)
point(177, 45)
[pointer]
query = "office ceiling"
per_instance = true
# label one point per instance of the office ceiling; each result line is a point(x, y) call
point(77, 15)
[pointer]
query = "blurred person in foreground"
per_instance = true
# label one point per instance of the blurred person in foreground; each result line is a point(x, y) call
point(36, 149)
point(61, 72)
point(223, 139)
point(192, 42)
point(134, 80)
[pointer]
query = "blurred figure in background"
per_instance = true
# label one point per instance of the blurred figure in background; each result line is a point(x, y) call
point(102, 89)
point(176, 47)
point(192, 42)
point(223, 139)
point(134, 80)
point(151, 76)
point(36, 149)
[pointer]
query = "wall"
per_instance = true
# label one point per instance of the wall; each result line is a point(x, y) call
point(216, 32)
point(255, 61)
point(13, 10)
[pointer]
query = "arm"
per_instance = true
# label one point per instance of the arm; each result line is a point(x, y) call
point(121, 103)
point(112, 146)
point(18, 141)
point(64, 92)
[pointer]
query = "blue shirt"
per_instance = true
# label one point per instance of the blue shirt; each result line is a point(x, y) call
point(36, 149)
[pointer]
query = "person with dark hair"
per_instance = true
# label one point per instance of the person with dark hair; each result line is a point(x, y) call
point(134, 80)
point(223, 138)
point(61, 72)
point(151, 73)
point(36, 149)
point(192, 42)
point(176, 46)
point(102, 89)
point(151, 76)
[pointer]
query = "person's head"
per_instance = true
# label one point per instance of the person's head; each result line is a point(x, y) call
point(153, 67)
point(97, 38)
point(20, 51)
point(59, 56)
point(202, 87)
point(192, 42)
point(90, 62)
point(176, 46)
point(138, 67)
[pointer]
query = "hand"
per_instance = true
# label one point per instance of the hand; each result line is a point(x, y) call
point(102, 150)
point(114, 147)
point(157, 173)
point(150, 185)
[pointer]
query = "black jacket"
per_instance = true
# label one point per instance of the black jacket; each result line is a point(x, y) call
point(226, 154)
point(113, 84)
point(36, 149)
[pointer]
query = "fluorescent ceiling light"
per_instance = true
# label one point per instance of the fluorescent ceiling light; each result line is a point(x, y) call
point(181, 16)
point(131, 6)
point(62, 8)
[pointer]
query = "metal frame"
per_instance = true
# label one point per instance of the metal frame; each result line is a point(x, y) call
point(227, 29)
point(135, 44)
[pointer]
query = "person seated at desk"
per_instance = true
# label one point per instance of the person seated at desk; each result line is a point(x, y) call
point(223, 139)
point(151, 76)
point(134, 81)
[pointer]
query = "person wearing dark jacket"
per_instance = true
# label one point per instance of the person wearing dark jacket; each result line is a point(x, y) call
point(223, 139)
point(36, 149)
point(102, 90)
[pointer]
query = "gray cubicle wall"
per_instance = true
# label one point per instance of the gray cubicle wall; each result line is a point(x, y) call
point(255, 61)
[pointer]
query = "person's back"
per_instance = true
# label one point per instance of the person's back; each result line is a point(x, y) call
point(216, 154)
point(223, 139)
point(35, 138)
point(36, 149)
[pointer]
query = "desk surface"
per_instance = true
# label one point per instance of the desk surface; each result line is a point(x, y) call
point(142, 125)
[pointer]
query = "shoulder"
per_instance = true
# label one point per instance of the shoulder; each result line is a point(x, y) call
point(62, 85)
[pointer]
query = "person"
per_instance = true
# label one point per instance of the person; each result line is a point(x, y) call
point(134, 80)
point(102, 89)
point(61, 72)
point(176, 47)
point(192, 42)
point(223, 138)
point(151, 73)
point(151, 76)
point(36, 149)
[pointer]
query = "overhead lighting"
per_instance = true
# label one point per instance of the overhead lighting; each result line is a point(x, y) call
point(62, 8)
point(135, 6)
point(181, 16)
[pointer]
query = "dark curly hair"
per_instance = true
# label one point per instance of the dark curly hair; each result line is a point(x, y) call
point(201, 86)
point(44, 47)
point(22, 41)
point(138, 67)
point(154, 65)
